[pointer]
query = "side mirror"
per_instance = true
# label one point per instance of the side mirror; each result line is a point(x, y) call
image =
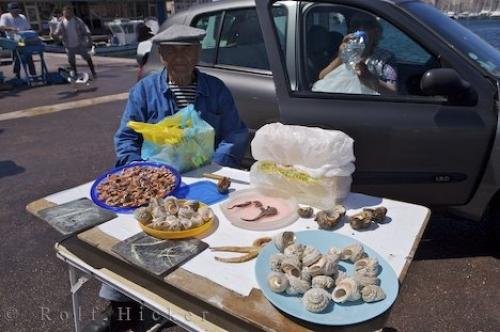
point(446, 82)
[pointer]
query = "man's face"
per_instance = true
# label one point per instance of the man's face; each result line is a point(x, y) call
point(180, 60)
point(68, 14)
point(15, 12)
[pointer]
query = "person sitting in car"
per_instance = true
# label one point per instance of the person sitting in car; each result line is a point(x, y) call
point(376, 70)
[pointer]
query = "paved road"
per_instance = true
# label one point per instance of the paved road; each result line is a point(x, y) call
point(453, 284)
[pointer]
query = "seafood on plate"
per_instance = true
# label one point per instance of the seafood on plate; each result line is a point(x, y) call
point(316, 299)
point(171, 214)
point(346, 290)
point(283, 240)
point(372, 293)
point(303, 271)
point(135, 186)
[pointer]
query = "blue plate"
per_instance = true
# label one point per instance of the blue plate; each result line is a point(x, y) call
point(97, 201)
point(203, 191)
point(335, 314)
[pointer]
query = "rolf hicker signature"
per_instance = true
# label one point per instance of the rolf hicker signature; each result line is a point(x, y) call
point(47, 314)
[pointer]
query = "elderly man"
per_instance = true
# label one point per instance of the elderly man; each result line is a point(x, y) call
point(11, 23)
point(177, 85)
point(76, 38)
point(162, 94)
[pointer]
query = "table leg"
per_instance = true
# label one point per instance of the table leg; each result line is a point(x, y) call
point(76, 283)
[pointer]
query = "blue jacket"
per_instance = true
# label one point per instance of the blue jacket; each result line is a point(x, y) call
point(151, 100)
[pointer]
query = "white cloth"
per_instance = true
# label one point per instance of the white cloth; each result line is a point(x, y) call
point(71, 32)
point(342, 80)
point(19, 22)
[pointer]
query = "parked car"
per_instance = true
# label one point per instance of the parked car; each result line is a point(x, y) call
point(433, 142)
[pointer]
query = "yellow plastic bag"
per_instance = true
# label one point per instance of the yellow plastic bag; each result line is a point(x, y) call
point(183, 140)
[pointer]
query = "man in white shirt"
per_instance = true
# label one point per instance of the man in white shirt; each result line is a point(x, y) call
point(76, 38)
point(11, 23)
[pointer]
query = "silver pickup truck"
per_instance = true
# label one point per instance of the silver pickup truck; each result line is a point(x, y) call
point(433, 141)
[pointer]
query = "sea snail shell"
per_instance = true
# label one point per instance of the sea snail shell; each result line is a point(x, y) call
point(322, 282)
point(372, 293)
point(316, 299)
point(277, 282)
point(346, 290)
point(283, 240)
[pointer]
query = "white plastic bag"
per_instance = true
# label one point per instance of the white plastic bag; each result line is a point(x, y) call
point(342, 80)
point(313, 165)
point(317, 151)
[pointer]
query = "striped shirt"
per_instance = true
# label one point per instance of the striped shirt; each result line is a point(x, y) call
point(183, 94)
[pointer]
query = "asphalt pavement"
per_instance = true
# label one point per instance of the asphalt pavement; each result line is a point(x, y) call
point(452, 285)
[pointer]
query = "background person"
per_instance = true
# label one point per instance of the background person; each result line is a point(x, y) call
point(76, 38)
point(11, 23)
point(376, 70)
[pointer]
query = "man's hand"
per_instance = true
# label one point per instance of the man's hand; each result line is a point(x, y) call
point(344, 42)
point(363, 73)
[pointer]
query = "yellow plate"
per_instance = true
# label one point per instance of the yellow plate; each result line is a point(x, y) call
point(192, 232)
point(160, 234)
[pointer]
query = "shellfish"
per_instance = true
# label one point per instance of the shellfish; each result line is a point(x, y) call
point(143, 215)
point(362, 220)
point(275, 262)
point(325, 266)
point(206, 213)
point(367, 262)
point(322, 282)
point(283, 240)
point(367, 217)
point(291, 266)
point(340, 276)
point(305, 212)
point(196, 219)
point(316, 299)
point(194, 205)
point(171, 206)
point(294, 249)
point(328, 219)
point(346, 290)
point(352, 252)
point(185, 212)
point(223, 185)
point(305, 275)
point(296, 285)
point(185, 223)
point(372, 293)
point(310, 256)
point(264, 212)
point(365, 280)
point(379, 214)
point(277, 282)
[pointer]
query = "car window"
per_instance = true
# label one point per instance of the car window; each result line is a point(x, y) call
point(385, 62)
point(241, 42)
point(210, 23)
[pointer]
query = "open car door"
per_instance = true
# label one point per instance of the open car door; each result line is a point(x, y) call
point(409, 145)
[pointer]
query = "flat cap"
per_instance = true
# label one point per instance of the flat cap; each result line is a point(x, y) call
point(13, 5)
point(178, 34)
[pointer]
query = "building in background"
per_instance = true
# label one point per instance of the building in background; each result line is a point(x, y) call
point(94, 13)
